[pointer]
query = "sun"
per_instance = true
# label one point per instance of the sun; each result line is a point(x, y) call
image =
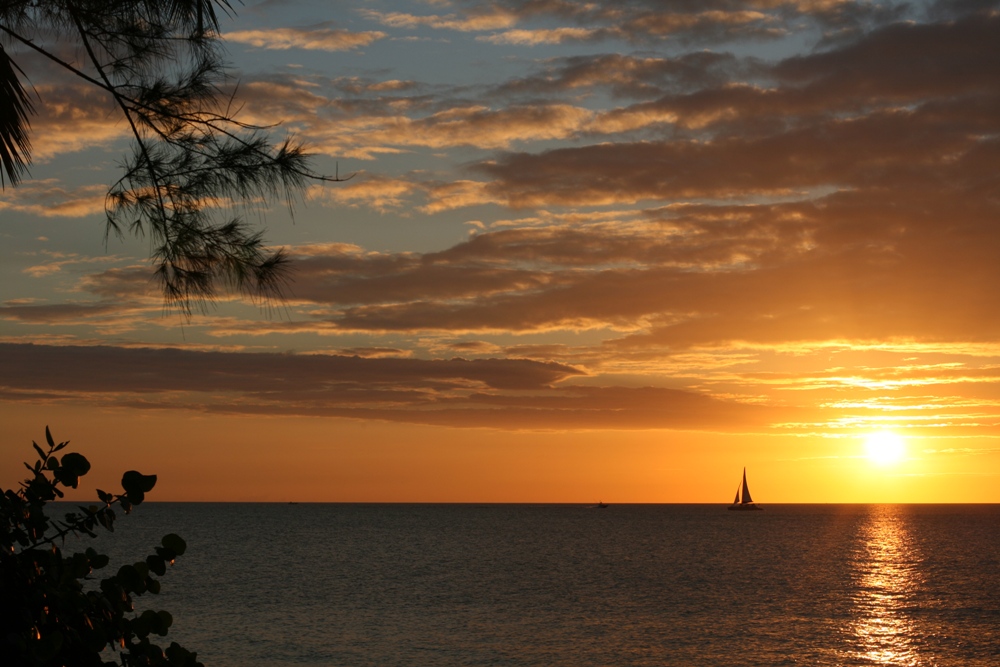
point(884, 448)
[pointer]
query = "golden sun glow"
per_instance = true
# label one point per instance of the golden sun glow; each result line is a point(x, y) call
point(884, 448)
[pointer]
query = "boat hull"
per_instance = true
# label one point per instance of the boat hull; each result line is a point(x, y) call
point(749, 507)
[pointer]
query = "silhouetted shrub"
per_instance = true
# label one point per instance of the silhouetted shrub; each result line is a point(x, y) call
point(48, 616)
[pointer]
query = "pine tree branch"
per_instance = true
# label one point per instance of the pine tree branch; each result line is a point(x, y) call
point(160, 64)
point(206, 119)
point(125, 110)
point(57, 60)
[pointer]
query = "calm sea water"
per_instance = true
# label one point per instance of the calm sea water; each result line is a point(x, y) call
point(349, 585)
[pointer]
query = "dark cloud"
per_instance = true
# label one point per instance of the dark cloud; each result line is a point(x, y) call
point(146, 370)
point(351, 279)
point(630, 75)
point(703, 21)
point(951, 9)
point(497, 393)
point(563, 409)
point(876, 260)
point(58, 312)
point(903, 62)
point(692, 96)
point(884, 148)
point(908, 103)
point(853, 264)
point(119, 284)
point(374, 352)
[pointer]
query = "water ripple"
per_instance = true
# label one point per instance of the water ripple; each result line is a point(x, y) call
point(447, 585)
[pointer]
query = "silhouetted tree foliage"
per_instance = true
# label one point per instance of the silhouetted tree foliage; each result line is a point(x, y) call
point(48, 616)
point(194, 167)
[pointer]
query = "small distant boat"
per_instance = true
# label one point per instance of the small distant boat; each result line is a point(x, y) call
point(601, 504)
point(745, 504)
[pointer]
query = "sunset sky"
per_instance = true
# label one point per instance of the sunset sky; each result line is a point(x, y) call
point(608, 250)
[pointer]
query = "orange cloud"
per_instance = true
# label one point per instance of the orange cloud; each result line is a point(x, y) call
point(458, 194)
point(313, 39)
point(478, 126)
point(471, 22)
point(73, 117)
point(57, 261)
point(541, 36)
point(373, 191)
point(51, 199)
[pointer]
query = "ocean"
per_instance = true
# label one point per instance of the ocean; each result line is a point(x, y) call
point(275, 585)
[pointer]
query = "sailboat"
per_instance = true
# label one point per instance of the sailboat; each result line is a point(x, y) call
point(746, 504)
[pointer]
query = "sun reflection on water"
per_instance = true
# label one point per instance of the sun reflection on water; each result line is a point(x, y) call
point(886, 571)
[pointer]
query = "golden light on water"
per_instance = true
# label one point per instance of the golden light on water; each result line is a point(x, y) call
point(884, 448)
point(886, 575)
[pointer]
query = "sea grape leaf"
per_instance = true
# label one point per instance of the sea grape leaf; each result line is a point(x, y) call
point(130, 578)
point(140, 625)
point(136, 485)
point(97, 560)
point(161, 622)
point(73, 467)
point(76, 463)
point(174, 543)
point(156, 565)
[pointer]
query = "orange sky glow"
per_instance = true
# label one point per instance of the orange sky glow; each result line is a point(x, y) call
point(592, 251)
